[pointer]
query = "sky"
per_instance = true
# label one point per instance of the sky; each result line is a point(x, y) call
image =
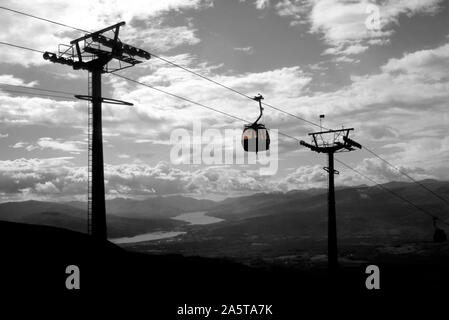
point(380, 67)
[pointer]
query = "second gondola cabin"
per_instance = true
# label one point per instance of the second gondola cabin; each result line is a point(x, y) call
point(255, 136)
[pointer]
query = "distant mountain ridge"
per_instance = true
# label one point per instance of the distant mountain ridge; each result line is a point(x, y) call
point(156, 207)
point(360, 209)
point(125, 217)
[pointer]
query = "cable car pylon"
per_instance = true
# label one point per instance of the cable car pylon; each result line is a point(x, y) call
point(340, 142)
point(94, 52)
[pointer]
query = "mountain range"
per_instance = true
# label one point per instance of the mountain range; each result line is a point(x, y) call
point(361, 211)
point(125, 217)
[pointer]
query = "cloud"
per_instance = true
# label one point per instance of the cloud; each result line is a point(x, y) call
point(430, 63)
point(247, 50)
point(88, 15)
point(295, 9)
point(73, 147)
point(381, 132)
point(345, 25)
point(23, 177)
point(430, 153)
point(380, 172)
point(227, 181)
point(404, 105)
point(141, 179)
point(341, 21)
point(347, 51)
point(262, 4)
point(46, 188)
point(304, 177)
point(400, 108)
point(152, 122)
point(59, 178)
point(10, 79)
point(24, 145)
point(155, 115)
point(403, 87)
point(20, 110)
point(61, 145)
point(158, 36)
point(344, 21)
point(385, 106)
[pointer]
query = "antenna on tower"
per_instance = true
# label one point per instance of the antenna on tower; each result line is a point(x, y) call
point(321, 119)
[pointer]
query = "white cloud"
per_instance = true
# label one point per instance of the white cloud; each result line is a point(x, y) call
point(23, 145)
point(380, 172)
point(354, 49)
point(88, 15)
point(60, 145)
point(426, 152)
point(409, 83)
point(166, 113)
point(59, 177)
point(10, 79)
point(20, 110)
point(262, 4)
point(247, 50)
point(140, 179)
point(381, 132)
point(46, 188)
point(163, 38)
point(304, 177)
point(405, 104)
point(53, 144)
point(25, 178)
point(383, 106)
point(343, 23)
point(430, 63)
point(228, 181)
point(295, 9)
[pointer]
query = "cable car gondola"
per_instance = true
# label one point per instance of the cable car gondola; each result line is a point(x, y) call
point(255, 136)
point(439, 235)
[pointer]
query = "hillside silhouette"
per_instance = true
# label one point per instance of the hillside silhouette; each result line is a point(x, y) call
point(34, 262)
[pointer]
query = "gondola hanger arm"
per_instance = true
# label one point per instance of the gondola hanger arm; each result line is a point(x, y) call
point(259, 98)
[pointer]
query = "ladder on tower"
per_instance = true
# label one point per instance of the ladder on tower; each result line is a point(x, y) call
point(89, 155)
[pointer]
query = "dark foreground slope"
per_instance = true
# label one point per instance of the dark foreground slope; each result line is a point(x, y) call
point(34, 258)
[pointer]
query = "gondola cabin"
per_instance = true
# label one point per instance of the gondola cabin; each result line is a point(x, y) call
point(255, 138)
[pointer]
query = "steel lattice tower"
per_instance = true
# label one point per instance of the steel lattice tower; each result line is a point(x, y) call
point(340, 142)
point(94, 52)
